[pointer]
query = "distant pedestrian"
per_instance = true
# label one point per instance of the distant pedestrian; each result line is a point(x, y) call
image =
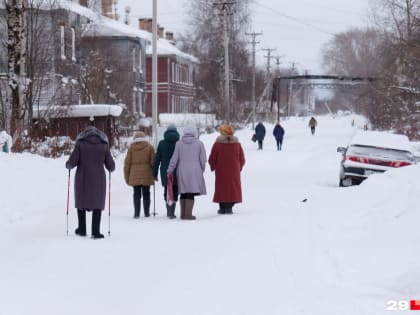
point(260, 134)
point(138, 173)
point(227, 160)
point(189, 161)
point(278, 133)
point(163, 155)
point(312, 124)
point(91, 153)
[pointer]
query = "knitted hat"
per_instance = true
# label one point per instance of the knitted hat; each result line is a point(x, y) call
point(139, 134)
point(226, 130)
point(171, 127)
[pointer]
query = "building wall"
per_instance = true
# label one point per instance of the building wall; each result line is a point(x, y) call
point(176, 89)
point(125, 58)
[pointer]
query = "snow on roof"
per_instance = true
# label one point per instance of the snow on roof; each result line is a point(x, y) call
point(83, 110)
point(164, 47)
point(99, 25)
point(103, 26)
point(381, 139)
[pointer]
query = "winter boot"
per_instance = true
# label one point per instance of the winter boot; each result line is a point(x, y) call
point(170, 211)
point(146, 206)
point(182, 205)
point(221, 208)
point(228, 207)
point(96, 224)
point(189, 205)
point(136, 207)
point(81, 217)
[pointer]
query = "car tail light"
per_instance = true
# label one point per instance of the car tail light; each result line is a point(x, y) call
point(400, 163)
point(357, 159)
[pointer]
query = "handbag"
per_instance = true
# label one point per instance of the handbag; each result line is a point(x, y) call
point(254, 138)
point(169, 190)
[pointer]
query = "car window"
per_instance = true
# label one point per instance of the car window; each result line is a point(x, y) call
point(380, 153)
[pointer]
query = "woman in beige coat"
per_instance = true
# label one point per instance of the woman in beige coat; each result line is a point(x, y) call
point(138, 166)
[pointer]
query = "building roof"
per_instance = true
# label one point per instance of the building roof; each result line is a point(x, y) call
point(82, 110)
point(164, 47)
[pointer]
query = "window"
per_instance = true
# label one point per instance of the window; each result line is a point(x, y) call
point(133, 57)
point(134, 100)
point(140, 61)
point(62, 43)
point(73, 44)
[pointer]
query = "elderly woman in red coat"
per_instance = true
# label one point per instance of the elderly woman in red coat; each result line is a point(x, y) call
point(227, 160)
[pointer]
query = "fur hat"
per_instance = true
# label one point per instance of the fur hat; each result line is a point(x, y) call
point(139, 134)
point(189, 130)
point(226, 130)
point(171, 127)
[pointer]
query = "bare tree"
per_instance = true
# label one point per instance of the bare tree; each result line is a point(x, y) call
point(204, 40)
point(16, 48)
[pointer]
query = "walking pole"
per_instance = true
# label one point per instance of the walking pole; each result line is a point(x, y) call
point(154, 200)
point(109, 204)
point(68, 198)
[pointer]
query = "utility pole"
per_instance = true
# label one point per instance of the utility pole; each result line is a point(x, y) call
point(154, 73)
point(268, 56)
point(253, 42)
point(290, 98)
point(224, 7)
point(278, 62)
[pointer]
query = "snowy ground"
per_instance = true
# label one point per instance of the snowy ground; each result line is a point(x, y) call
point(345, 251)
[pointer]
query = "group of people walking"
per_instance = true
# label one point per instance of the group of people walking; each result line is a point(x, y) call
point(181, 161)
point(278, 133)
point(259, 135)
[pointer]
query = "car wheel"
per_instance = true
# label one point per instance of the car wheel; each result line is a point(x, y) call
point(345, 182)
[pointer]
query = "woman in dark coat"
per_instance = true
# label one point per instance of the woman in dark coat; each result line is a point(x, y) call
point(227, 160)
point(312, 124)
point(90, 155)
point(163, 155)
point(278, 133)
point(260, 134)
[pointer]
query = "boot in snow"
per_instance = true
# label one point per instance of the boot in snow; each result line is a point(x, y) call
point(96, 224)
point(81, 217)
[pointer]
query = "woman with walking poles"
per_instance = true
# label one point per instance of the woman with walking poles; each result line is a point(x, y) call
point(163, 155)
point(138, 166)
point(91, 153)
point(227, 160)
point(189, 161)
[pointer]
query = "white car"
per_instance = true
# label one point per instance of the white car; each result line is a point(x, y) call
point(372, 152)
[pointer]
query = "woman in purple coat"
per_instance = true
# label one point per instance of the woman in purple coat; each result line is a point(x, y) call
point(90, 155)
point(189, 160)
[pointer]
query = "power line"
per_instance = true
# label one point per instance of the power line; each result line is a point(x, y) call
point(268, 56)
point(254, 44)
point(294, 19)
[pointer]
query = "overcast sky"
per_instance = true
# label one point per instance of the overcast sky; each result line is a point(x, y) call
point(297, 29)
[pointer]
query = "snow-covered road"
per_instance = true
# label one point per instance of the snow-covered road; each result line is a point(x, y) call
point(344, 251)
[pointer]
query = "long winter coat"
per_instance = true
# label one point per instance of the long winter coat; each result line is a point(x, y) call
point(227, 160)
point(312, 122)
point(163, 155)
point(278, 132)
point(260, 131)
point(90, 155)
point(189, 160)
point(138, 163)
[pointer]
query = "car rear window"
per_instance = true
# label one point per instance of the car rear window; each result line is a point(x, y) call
point(380, 153)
